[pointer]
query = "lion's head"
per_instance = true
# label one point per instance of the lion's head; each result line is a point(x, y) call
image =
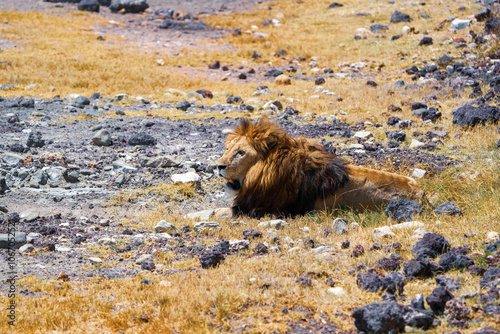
point(245, 146)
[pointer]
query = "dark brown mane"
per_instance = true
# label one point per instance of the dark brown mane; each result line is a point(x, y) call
point(295, 172)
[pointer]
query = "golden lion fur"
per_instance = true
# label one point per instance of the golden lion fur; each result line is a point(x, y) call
point(274, 173)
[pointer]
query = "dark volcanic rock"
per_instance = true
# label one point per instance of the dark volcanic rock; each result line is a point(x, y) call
point(378, 27)
point(438, 298)
point(400, 17)
point(388, 264)
point(211, 259)
point(273, 73)
point(183, 105)
point(129, 6)
point(448, 282)
point(434, 242)
point(3, 186)
point(141, 139)
point(183, 25)
point(492, 274)
point(373, 281)
point(426, 41)
point(89, 6)
point(452, 260)
point(35, 140)
point(456, 309)
point(398, 135)
point(468, 115)
point(419, 318)
point(251, 234)
point(418, 268)
point(383, 317)
point(403, 209)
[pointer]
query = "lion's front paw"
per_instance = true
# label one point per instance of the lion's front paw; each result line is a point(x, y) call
point(223, 213)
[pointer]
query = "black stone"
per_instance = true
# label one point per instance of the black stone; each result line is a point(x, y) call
point(35, 140)
point(89, 6)
point(470, 116)
point(142, 139)
point(184, 105)
point(418, 268)
point(383, 317)
point(403, 210)
point(438, 298)
point(273, 73)
point(491, 275)
point(129, 6)
point(251, 234)
point(434, 242)
point(426, 41)
point(448, 282)
point(211, 259)
point(400, 17)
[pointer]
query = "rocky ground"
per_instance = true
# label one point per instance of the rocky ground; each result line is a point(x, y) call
point(65, 162)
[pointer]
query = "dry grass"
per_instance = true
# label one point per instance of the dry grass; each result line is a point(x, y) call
point(61, 52)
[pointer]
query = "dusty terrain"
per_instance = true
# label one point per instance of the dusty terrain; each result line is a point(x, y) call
point(90, 210)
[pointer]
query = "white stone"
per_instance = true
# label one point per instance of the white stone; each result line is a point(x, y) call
point(32, 236)
point(277, 224)
point(106, 241)
point(407, 225)
point(418, 173)
point(186, 177)
point(95, 260)
point(322, 249)
point(203, 226)
point(459, 24)
point(62, 249)
point(143, 258)
point(163, 226)
point(239, 244)
point(405, 29)
point(416, 143)
point(492, 236)
point(363, 134)
point(383, 232)
point(337, 292)
point(176, 92)
point(356, 147)
point(353, 226)
point(294, 249)
point(260, 35)
point(26, 248)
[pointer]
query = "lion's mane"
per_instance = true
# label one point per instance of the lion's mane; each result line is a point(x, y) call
point(291, 176)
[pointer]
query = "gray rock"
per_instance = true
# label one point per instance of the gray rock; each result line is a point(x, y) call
point(35, 140)
point(161, 161)
point(340, 226)
point(163, 226)
point(400, 17)
point(142, 139)
point(120, 165)
point(459, 24)
point(12, 159)
point(102, 138)
point(39, 178)
point(143, 258)
point(55, 174)
point(29, 215)
point(89, 6)
point(185, 178)
point(448, 208)
point(470, 116)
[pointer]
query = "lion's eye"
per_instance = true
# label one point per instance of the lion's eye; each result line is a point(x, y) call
point(239, 154)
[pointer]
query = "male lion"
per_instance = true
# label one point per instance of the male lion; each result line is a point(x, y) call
point(274, 173)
